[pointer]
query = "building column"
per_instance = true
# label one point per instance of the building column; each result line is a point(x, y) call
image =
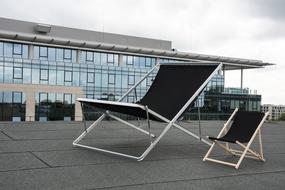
point(30, 105)
point(157, 60)
point(78, 52)
point(120, 61)
point(241, 80)
point(31, 52)
point(78, 115)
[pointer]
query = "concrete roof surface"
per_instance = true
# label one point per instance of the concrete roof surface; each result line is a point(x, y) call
point(36, 155)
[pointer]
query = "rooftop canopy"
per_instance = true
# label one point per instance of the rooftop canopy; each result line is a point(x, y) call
point(59, 36)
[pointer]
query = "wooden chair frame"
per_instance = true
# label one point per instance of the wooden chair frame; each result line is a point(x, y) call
point(247, 152)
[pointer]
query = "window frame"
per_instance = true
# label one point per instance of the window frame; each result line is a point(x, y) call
point(65, 80)
point(15, 53)
point(40, 52)
point(64, 54)
point(44, 79)
point(15, 77)
point(114, 79)
point(89, 60)
point(93, 79)
point(133, 81)
point(110, 55)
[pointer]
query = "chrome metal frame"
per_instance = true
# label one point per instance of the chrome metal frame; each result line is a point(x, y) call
point(153, 142)
point(247, 152)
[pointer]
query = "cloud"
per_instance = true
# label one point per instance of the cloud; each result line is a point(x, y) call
point(272, 9)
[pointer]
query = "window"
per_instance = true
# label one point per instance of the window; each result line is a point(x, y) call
point(51, 54)
point(59, 54)
point(43, 52)
point(90, 77)
point(89, 56)
point(44, 74)
point(97, 57)
point(17, 97)
point(75, 78)
point(148, 62)
point(111, 79)
point(60, 77)
point(142, 61)
point(67, 54)
point(52, 77)
point(17, 50)
point(8, 49)
point(67, 98)
point(67, 76)
point(83, 78)
point(103, 58)
point(130, 60)
point(136, 61)
point(110, 58)
point(1, 48)
point(18, 73)
point(35, 76)
point(131, 80)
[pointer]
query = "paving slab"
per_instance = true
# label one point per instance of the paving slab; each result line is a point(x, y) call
point(19, 161)
point(263, 181)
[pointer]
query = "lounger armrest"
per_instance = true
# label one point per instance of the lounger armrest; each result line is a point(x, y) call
point(86, 100)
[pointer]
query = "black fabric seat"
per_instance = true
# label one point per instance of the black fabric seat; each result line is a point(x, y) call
point(173, 86)
point(244, 125)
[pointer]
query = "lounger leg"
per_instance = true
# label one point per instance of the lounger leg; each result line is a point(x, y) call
point(88, 129)
point(209, 151)
point(260, 145)
point(153, 144)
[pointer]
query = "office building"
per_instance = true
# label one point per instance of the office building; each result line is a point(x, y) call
point(44, 68)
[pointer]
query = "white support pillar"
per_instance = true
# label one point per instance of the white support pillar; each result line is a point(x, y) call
point(241, 80)
point(121, 60)
point(78, 52)
point(31, 52)
point(157, 60)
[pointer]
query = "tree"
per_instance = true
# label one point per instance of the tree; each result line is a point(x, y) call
point(282, 117)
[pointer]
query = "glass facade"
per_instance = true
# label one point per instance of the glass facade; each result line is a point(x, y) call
point(100, 75)
point(54, 106)
point(12, 106)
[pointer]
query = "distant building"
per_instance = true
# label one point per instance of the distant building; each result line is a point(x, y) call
point(275, 110)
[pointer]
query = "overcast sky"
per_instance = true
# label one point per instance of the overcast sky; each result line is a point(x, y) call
point(252, 29)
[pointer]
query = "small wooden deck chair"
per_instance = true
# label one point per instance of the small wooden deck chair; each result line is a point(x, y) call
point(245, 127)
point(174, 88)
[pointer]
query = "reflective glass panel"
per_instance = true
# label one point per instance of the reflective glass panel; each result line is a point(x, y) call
point(90, 77)
point(60, 78)
point(67, 76)
point(1, 49)
point(59, 54)
point(67, 54)
point(89, 56)
point(35, 76)
point(51, 54)
point(111, 79)
point(8, 49)
point(18, 73)
point(17, 97)
point(17, 49)
point(44, 74)
point(43, 52)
